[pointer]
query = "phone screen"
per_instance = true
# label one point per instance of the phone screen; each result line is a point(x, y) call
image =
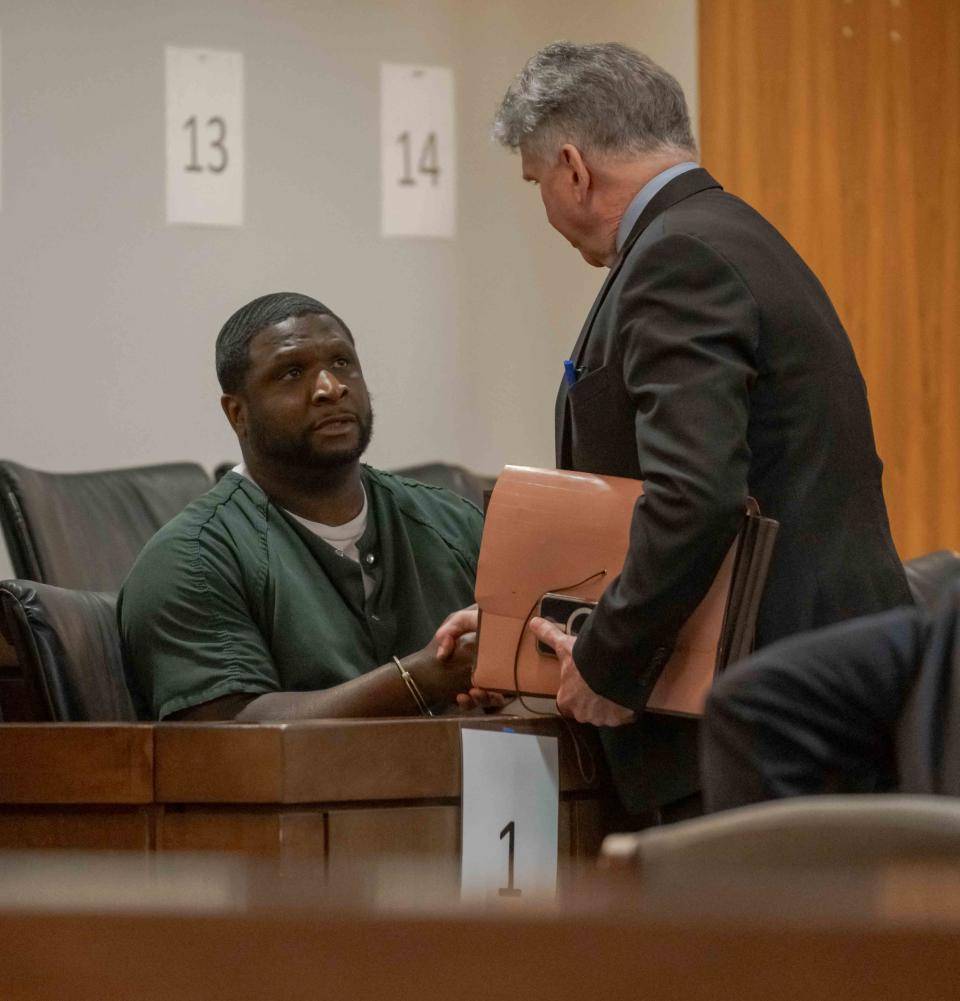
point(567, 612)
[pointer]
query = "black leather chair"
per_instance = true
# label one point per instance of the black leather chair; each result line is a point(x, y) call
point(456, 478)
point(68, 650)
point(84, 530)
point(929, 574)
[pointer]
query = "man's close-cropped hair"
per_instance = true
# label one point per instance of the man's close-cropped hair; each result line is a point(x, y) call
point(233, 341)
point(604, 98)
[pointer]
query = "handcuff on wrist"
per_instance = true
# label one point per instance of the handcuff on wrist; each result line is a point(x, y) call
point(412, 688)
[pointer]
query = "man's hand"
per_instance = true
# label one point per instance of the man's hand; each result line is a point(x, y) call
point(575, 697)
point(454, 626)
point(447, 637)
point(445, 664)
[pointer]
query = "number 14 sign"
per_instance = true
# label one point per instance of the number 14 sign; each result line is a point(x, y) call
point(511, 802)
point(416, 151)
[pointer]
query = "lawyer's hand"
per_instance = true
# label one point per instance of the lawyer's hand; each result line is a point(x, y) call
point(575, 697)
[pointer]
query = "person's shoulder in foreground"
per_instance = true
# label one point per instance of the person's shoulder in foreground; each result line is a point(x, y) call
point(867, 705)
point(304, 583)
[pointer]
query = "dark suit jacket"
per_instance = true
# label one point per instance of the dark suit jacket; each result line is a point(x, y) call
point(866, 706)
point(714, 366)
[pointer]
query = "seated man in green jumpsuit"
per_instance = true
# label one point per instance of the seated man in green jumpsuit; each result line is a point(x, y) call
point(304, 584)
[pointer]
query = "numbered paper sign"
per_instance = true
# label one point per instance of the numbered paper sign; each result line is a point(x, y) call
point(1, 125)
point(204, 137)
point(511, 803)
point(417, 164)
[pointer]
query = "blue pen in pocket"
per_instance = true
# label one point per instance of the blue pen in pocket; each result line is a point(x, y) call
point(569, 373)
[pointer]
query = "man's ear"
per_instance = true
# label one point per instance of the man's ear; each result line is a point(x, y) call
point(236, 411)
point(577, 171)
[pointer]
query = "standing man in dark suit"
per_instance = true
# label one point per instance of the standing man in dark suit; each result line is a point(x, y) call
point(712, 366)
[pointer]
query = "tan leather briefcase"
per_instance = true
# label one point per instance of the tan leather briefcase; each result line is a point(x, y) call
point(554, 532)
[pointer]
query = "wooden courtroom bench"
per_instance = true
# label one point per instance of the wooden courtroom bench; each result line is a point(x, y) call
point(76, 785)
point(238, 928)
point(336, 789)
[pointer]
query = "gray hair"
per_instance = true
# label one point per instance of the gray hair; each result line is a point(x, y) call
point(603, 98)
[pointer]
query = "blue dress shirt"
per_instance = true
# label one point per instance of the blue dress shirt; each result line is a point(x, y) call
point(645, 195)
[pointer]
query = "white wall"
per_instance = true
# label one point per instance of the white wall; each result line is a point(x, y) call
point(523, 291)
point(109, 315)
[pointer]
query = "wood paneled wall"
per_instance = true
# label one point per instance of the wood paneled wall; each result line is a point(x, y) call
point(840, 121)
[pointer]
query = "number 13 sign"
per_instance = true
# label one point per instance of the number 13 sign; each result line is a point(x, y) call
point(204, 137)
point(416, 151)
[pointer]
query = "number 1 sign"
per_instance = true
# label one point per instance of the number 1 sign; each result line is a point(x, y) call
point(204, 137)
point(416, 151)
point(511, 802)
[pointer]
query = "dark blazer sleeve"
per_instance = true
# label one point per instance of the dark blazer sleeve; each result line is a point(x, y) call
point(816, 713)
point(685, 332)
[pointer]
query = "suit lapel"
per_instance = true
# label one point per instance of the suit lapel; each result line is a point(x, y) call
point(690, 183)
point(561, 428)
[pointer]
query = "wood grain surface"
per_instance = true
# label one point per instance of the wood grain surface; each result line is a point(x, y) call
point(53, 763)
point(838, 120)
point(366, 952)
point(330, 761)
point(332, 789)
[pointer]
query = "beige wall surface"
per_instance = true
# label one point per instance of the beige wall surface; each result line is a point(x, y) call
point(523, 291)
point(109, 315)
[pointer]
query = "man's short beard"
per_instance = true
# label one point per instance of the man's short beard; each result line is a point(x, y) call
point(299, 460)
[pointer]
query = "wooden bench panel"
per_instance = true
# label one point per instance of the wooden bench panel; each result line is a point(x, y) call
point(46, 763)
point(337, 761)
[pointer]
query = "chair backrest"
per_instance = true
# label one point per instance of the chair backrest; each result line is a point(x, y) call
point(84, 530)
point(930, 574)
point(68, 649)
point(221, 470)
point(456, 478)
point(833, 831)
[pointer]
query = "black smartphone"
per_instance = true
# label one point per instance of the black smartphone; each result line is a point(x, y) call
point(567, 612)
